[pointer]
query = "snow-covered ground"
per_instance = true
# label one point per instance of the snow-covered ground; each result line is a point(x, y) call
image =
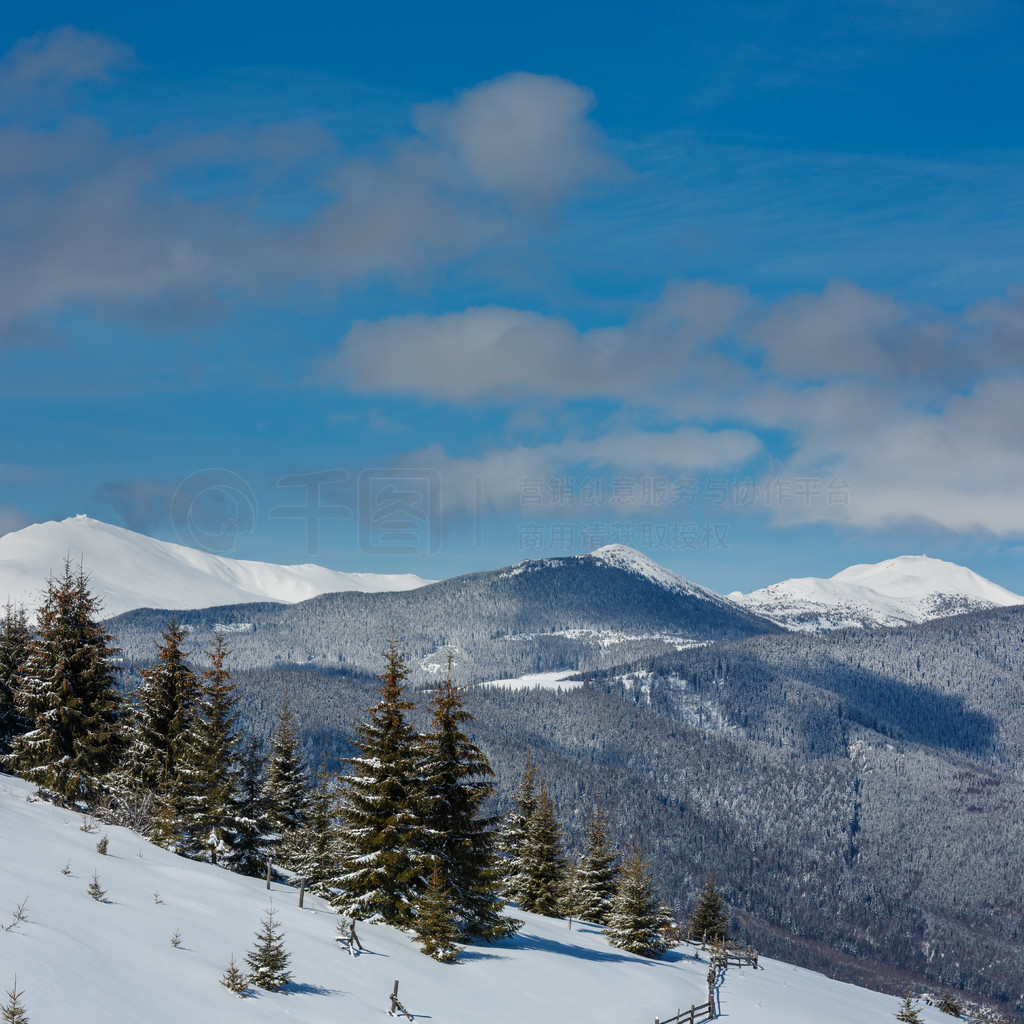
point(537, 681)
point(896, 592)
point(128, 570)
point(105, 963)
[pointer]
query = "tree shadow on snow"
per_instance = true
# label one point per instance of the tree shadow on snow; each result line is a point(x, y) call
point(609, 956)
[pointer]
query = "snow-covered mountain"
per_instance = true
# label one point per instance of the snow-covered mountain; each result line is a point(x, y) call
point(896, 592)
point(79, 959)
point(128, 570)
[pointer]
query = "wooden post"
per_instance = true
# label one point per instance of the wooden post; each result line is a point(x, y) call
point(693, 1014)
point(394, 1000)
point(302, 892)
point(268, 874)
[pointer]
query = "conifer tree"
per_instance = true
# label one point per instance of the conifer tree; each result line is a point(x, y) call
point(13, 1010)
point(598, 872)
point(908, 1013)
point(285, 791)
point(203, 782)
point(636, 919)
point(248, 853)
point(233, 979)
point(95, 890)
point(15, 639)
point(572, 905)
point(543, 862)
point(381, 870)
point(436, 927)
point(161, 713)
point(67, 695)
point(460, 840)
point(709, 920)
point(268, 961)
point(317, 843)
point(513, 830)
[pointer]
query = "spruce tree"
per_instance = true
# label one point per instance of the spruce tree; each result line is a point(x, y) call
point(597, 873)
point(268, 961)
point(67, 695)
point(908, 1013)
point(252, 827)
point(233, 979)
point(13, 1010)
point(285, 791)
point(161, 713)
point(381, 874)
point(436, 927)
point(317, 842)
point(636, 918)
point(513, 830)
point(15, 640)
point(543, 862)
point(460, 839)
point(709, 920)
point(572, 905)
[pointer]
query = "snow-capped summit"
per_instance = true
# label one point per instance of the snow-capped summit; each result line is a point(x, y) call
point(896, 592)
point(128, 570)
point(620, 556)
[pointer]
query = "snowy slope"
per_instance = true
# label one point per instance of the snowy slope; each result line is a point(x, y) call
point(908, 589)
point(93, 963)
point(619, 556)
point(129, 570)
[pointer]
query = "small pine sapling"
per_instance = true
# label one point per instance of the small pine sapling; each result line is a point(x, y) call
point(268, 962)
point(908, 1013)
point(66, 870)
point(435, 925)
point(98, 894)
point(176, 938)
point(19, 916)
point(13, 1012)
point(156, 898)
point(234, 980)
point(101, 846)
point(950, 1005)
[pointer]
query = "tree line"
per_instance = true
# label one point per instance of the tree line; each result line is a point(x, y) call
point(401, 836)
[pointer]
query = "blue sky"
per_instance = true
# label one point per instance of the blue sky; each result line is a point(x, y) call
point(438, 287)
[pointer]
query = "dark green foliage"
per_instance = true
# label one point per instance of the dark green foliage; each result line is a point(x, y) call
point(436, 927)
point(248, 853)
point(597, 872)
point(513, 831)
point(234, 980)
point(67, 695)
point(285, 792)
point(13, 1011)
point(709, 920)
point(908, 1013)
point(15, 638)
point(636, 920)
point(460, 839)
point(317, 843)
point(543, 863)
point(950, 1005)
point(162, 712)
point(268, 961)
point(101, 846)
point(381, 805)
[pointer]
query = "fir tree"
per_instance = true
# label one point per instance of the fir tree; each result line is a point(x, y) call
point(950, 1005)
point(15, 640)
point(13, 1011)
point(636, 918)
point(597, 873)
point(67, 695)
point(95, 890)
point(908, 1013)
point(709, 920)
point(248, 852)
point(380, 810)
point(513, 830)
point(161, 713)
point(543, 863)
point(203, 782)
point(268, 962)
point(233, 979)
point(572, 905)
point(317, 843)
point(436, 927)
point(460, 840)
point(285, 792)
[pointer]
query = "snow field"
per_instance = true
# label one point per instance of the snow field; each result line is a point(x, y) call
point(94, 963)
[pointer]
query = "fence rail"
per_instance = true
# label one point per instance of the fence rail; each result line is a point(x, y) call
point(693, 1015)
